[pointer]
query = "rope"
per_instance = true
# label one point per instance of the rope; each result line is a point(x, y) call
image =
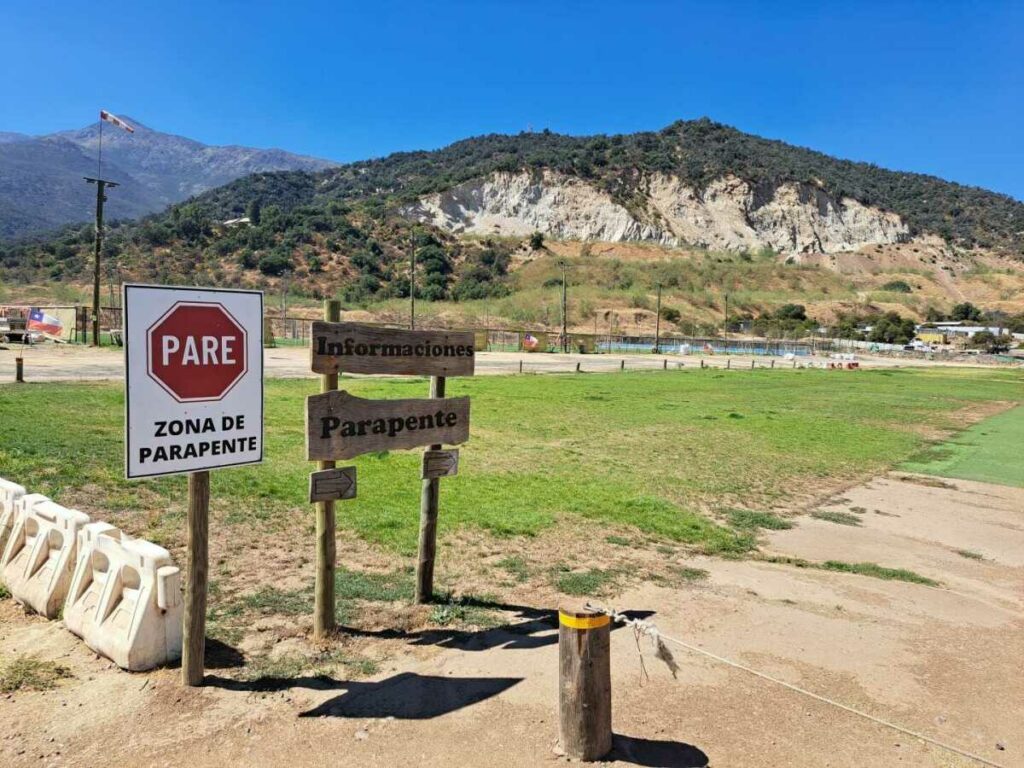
point(641, 627)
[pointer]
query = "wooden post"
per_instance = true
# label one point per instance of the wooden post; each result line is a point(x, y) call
point(794, 362)
point(19, 368)
point(773, 363)
point(428, 519)
point(577, 367)
point(728, 364)
point(664, 365)
point(323, 590)
point(584, 683)
point(622, 365)
point(194, 624)
point(657, 324)
point(520, 366)
point(702, 363)
point(751, 365)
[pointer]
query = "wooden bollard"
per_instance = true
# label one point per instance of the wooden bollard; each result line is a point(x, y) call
point(728, 364)
point(664, 365)
point(751, 365)
point(19, 369)
point(577, 367)
point(794, 362)
point(622, 365)
point(772, 363)
point(702, 363)
point(520, 366)
point(584, 683)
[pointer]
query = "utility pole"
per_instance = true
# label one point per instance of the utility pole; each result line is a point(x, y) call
point(565, 337)
point(101, 185)
point(101, 197)
point(412, 283)
point(657, 324)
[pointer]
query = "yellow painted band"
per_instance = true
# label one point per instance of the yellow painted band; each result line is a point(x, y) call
point(588, 622)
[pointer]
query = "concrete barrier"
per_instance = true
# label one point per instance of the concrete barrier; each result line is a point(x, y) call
point(125, 599)
point(10, 497)
point(40, 555)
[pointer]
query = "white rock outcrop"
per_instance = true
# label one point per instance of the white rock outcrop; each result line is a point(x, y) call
point(729, 214)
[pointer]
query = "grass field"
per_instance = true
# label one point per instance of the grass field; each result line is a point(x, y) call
point(673, 454)
point(992, 452)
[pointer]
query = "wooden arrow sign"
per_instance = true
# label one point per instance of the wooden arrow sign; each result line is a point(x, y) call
point(341, 426)
point(440, 464)
point(332, 484)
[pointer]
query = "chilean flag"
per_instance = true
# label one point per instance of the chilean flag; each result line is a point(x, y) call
point(43, 323)
point(112, 118)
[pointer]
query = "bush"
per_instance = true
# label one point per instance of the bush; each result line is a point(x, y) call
point(276, 262)
point(537, 241)
point(671, 314)
point(897, 286)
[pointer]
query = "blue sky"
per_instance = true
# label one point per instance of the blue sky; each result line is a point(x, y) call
point(936, 87)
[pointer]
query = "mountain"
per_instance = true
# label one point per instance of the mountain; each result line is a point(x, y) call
point(41, 184)
point(473, 208)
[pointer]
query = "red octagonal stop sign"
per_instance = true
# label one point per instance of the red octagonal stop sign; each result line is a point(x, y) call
point(196, 351)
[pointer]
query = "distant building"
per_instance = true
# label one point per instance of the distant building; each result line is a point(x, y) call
point(240, 222)
point(957, 329)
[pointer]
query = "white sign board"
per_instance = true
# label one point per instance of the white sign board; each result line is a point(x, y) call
point(193, 379)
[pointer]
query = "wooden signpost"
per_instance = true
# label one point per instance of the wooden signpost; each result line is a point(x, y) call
point(340, 425)
point(355, 348)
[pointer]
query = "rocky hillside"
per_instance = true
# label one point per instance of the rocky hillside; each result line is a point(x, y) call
point(41, 183)
point(728, 214)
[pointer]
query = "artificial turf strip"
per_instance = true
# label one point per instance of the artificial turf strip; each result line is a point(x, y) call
point(991, 451)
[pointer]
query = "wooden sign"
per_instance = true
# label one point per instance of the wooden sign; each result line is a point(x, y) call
point(332, 484)
point(341, 426)
point(440, 464)
point(357, 348)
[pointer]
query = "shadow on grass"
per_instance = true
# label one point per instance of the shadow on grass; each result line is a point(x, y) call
point(655, 753)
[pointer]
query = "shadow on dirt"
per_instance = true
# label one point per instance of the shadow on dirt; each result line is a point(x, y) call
point(409, 696)
point(529, 628)
point(219, 655)
point(406, 696)
point(655, 753)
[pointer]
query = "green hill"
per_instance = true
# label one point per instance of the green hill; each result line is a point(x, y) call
point(341, 227)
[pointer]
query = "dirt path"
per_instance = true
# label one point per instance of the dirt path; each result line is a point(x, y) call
point(942, 660)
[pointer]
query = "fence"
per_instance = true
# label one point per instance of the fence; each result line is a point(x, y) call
point(295, 331)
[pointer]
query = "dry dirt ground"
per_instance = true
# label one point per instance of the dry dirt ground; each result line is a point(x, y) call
point(57, 362)
point(945, 660)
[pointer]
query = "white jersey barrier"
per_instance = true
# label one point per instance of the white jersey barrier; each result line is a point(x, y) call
point(125, 599)
point(10, 498)
point(17, 514)
point(40, 555)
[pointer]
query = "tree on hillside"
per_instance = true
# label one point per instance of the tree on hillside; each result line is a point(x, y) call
point(537, 241)
point(965, 311)
point(890, 328)
point(253, 211)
